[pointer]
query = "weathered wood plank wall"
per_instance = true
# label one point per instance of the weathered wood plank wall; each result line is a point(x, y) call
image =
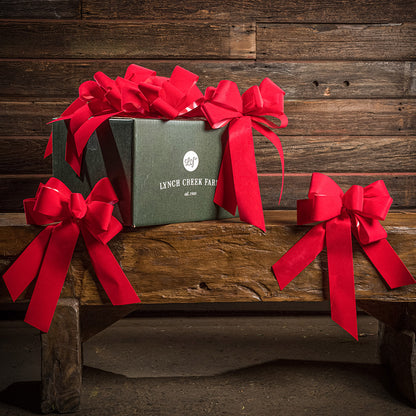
point(348, 69)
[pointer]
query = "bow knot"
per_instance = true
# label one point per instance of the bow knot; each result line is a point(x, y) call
point(353, 199)
point(140, 93)
point(77, 206)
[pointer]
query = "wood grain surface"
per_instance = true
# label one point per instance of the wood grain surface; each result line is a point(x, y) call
point(218, 261)
point(126, 40)
point(325, 11)
point(336, 42)
point(60, 79)
point(62, 360)
point(40, 9)
point(356, 117)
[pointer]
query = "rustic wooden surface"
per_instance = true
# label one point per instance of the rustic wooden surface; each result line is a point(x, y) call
point(62, 360)
point(342, 11)
point(336, 42)
point(355, 117)
point(348, 69)
point(300, 80)
point(123, 40)
point(217, 261)
point(329, 11)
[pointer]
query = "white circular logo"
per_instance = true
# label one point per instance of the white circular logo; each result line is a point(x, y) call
point(190, 161)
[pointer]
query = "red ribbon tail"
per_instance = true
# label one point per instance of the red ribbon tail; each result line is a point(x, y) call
point(341, 274)
point(52, 275)
point(388, 263)
point(109, 272)
point(71, 155)
point(299, 256)
point(49, 147)
point(27, 265)
point(224, 192)
point(246, 183)
point(278, 145)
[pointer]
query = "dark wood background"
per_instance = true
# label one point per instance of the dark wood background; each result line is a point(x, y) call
point(347, 66)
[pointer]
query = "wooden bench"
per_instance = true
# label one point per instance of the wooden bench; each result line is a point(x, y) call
point(212, 261)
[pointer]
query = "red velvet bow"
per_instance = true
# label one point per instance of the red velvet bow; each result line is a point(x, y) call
point(50, 253)
point(141, 93)
point(358, 210)
point(237, 181)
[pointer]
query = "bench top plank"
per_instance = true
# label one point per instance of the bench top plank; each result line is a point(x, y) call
point(216, 261)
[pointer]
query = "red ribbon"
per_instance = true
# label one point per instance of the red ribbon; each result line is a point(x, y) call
point(358, 210)
point(141, 93)
point(48, 256)
point(237, 181)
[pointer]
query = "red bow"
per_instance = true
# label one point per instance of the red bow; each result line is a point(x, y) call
point(50, 253)
point(358, 210)
point(141, 93)
point(237, 181)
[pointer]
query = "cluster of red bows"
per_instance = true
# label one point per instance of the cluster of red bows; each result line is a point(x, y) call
point(143, 94)
point(48, 256)
point(356, 212)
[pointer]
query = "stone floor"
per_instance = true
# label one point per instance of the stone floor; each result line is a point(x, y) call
point(260, 366)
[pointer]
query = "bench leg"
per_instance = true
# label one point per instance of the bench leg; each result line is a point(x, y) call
point(397, 348)
point(62, 360)
point(397, 351)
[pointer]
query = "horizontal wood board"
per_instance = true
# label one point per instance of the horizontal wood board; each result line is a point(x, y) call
point(323, 11)
point(40, 9)
point(336, 42)
point(355, 117)
point(126, 40)
point(139, 40)
point(218, 262)
point(60, 79)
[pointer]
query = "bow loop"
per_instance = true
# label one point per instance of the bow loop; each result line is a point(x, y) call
point(137, 74)
point(273, 97)
point(318, 208)
point(324, 200)
point(252, 101)
point(367, 230)
point(100, 222)
point(226, 96)
point(49, 205)
point(265, 100)
point(377, 200)
point(90, 90)
point(111, 90)
point(324, 185)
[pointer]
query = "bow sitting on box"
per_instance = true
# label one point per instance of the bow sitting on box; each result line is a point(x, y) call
point(358, 211)
point(143, 94)
point(48, 256)
point(237, 180)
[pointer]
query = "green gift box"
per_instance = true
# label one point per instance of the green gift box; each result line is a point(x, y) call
point(162, 171)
